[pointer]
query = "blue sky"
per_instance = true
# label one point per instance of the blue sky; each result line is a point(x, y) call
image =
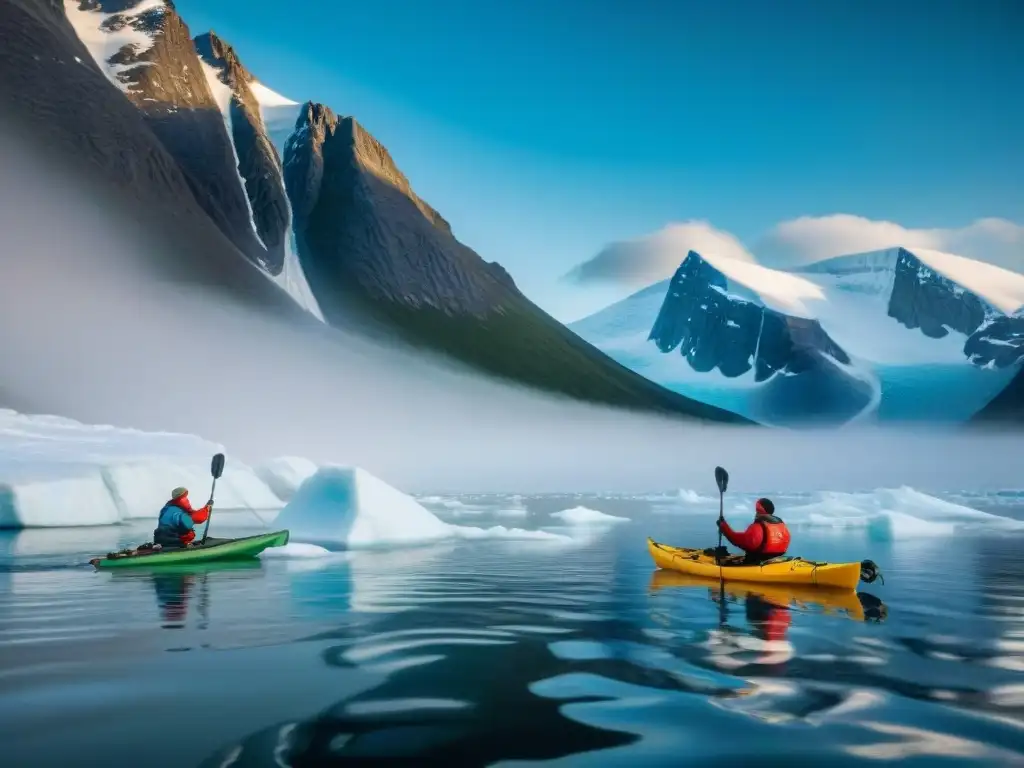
point(544, 130)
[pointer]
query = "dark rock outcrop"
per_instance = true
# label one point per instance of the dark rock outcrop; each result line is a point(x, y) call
point(922, 298)
point(999, 342)
point(713, 329)
point(258, 161)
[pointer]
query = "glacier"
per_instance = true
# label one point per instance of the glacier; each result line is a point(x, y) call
point(890, 335)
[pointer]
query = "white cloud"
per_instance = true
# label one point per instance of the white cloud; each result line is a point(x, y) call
point(807, 239)
point(646, 260)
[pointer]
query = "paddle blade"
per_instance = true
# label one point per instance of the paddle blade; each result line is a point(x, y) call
point(217, 465)
point(722, 478)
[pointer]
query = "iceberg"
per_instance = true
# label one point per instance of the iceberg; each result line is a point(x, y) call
point(348, 506)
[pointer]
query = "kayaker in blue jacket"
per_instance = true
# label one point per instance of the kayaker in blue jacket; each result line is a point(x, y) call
point(177, 522)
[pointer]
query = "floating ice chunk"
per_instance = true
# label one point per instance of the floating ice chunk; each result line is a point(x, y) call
point(297, 550)
point(587, 516)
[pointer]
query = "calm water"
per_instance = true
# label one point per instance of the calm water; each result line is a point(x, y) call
point(509, 653)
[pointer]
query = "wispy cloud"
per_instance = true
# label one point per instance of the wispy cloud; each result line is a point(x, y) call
point(807, 239)
point(798, 241)
point(647, 259)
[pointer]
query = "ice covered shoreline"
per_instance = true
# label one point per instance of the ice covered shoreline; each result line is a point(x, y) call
point(55, 473)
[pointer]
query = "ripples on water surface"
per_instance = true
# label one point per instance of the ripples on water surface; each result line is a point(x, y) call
point(510, 653)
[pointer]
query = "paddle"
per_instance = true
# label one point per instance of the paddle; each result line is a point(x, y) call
point(722, 480)
point(216, 469)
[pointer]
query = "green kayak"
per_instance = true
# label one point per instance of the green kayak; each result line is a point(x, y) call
point(212, 550)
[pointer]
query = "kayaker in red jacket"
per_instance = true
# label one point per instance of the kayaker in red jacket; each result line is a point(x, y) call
point(765, 538)
point(176, 524)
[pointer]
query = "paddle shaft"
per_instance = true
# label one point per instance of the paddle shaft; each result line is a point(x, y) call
point(718, 556)
point(210, 518)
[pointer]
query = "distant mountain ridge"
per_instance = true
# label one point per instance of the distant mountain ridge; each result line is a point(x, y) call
point(192, 144)
point(828, 342)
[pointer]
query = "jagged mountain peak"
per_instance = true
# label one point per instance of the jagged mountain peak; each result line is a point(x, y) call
point(220, 55)
point(365, 152)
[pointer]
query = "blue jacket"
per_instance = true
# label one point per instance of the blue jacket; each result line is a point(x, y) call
point(174, 520)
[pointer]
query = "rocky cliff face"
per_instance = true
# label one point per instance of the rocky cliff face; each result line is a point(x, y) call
point(922, 298)
point(358, 221)
point(258, 161)
point(144, 47)
point(801, 366)
point(713, 329)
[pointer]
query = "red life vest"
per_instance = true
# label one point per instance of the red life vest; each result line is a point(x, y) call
point(776, 536)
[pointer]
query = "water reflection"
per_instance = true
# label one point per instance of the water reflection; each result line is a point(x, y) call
point(176, 586)
point(768, 606)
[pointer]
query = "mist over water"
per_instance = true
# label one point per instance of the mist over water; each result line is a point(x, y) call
point(97, 328)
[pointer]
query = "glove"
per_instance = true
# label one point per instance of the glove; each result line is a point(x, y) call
point(209, 504)
point(720, 523)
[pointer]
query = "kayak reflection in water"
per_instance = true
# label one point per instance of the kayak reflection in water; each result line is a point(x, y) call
point(177, 522)
point(172, 596)
point(769, 610)
point(764, 539)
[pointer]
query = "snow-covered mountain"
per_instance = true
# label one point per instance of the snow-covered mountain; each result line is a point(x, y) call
point(892, 334)
point(212, 165)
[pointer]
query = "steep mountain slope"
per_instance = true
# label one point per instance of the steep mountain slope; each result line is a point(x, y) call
point(892, 334)
point(145, 49)
point(372, 249)
point(54, 95)
point(184, 144)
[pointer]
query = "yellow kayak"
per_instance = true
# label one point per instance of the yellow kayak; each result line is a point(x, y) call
point(784, 570)
point(840, 601)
